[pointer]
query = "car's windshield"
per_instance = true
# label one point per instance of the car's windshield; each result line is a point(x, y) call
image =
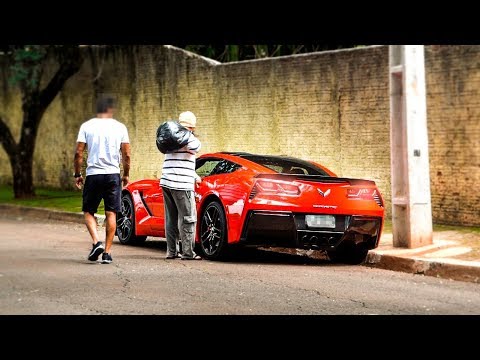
point(286, 165)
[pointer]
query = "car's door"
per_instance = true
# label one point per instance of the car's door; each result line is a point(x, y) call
point(153, 198)
point(213, 171)
point(216, 175)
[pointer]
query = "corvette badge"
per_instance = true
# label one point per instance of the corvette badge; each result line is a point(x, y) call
point(324, 194)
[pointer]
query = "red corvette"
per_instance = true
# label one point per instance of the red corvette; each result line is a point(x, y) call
point(262, 200)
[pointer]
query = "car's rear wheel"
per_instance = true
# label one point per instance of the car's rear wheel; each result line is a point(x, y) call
point(126, 223)
point(213, 232)
point(348, 253)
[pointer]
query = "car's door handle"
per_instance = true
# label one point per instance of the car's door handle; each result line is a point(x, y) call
point(152, 196)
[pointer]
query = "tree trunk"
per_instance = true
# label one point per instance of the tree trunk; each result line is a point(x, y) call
point(22, 170)
point(34, 104)
point(22, 159)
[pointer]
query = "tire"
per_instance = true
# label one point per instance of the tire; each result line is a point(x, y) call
point(213, 226)
point(348, 254)
point(126, 223)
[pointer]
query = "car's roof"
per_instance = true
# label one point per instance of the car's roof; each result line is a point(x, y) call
point(246, 155)
point(235, 153)
point(249, 160)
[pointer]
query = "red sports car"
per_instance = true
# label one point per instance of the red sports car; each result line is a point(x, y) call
point(263, 200)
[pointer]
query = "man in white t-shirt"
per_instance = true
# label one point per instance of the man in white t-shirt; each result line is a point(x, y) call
point(104, 139)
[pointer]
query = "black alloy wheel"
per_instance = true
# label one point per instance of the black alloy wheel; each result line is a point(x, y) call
point(213, 232)
point(126, 223)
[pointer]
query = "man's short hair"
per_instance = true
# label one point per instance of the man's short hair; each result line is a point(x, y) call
point(104, 103)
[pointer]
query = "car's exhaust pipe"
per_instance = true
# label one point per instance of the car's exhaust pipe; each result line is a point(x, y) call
point(314, 242)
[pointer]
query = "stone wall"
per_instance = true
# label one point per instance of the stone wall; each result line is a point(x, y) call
point(331, 107)
point(453, 113)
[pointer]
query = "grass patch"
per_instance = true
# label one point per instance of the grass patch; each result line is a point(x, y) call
point(387, 226)
point(462, 229)
point(64, 200)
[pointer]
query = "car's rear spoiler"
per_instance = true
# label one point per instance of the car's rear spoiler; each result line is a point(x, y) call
point(316, 178)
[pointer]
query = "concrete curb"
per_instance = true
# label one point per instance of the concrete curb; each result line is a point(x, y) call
point(442, 268)
point(43, 213)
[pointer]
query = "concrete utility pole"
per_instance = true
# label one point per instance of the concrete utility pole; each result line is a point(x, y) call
point(411, 201)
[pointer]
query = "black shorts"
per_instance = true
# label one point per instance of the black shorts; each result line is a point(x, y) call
point(103, 186)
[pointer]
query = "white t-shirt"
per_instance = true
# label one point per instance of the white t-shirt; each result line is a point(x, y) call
point(103, 138)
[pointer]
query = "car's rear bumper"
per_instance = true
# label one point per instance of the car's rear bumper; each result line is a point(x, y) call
point(288, 229)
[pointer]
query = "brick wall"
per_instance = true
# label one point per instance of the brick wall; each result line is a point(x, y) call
point(453, 104)
point(331, 107)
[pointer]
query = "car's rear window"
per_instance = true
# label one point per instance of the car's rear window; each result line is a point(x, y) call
point(286, 165)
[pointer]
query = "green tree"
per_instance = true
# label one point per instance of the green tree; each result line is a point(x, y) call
point(227, 53)
point(26, 65)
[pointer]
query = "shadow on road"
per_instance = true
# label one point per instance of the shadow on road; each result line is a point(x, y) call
point(262, 256)
point(154, 244)
point(253, 255)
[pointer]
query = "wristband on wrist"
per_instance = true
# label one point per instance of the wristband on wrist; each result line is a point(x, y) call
point(77, 175)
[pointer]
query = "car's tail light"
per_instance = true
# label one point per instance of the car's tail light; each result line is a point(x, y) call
point(360, 193)
point(274, 188)
point(365, 194)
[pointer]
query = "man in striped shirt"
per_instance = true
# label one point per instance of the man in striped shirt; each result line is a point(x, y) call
point(178, 184)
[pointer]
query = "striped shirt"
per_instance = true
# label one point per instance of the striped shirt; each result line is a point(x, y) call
point(178, 170)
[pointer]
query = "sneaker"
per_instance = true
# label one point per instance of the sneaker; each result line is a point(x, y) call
point(106, 258)
point(97, 249)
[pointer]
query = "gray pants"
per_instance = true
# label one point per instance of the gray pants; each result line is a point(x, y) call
point(180, 219)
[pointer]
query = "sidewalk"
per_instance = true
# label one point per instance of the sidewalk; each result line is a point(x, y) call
point(453, 255)
point(43, 213)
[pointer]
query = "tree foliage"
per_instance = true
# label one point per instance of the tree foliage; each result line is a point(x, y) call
point(26, 65)
point(25, 69)
point(228, 53)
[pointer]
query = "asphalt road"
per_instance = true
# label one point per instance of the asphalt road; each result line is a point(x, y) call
point(43, 270)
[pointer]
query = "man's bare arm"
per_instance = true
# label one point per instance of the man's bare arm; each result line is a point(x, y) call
point(78, 159)
point(125, 148)
point(77, 163)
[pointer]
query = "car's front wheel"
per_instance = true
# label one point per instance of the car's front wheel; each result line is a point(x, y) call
point(213, 232)
point(348, 254)
point(126, 223)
